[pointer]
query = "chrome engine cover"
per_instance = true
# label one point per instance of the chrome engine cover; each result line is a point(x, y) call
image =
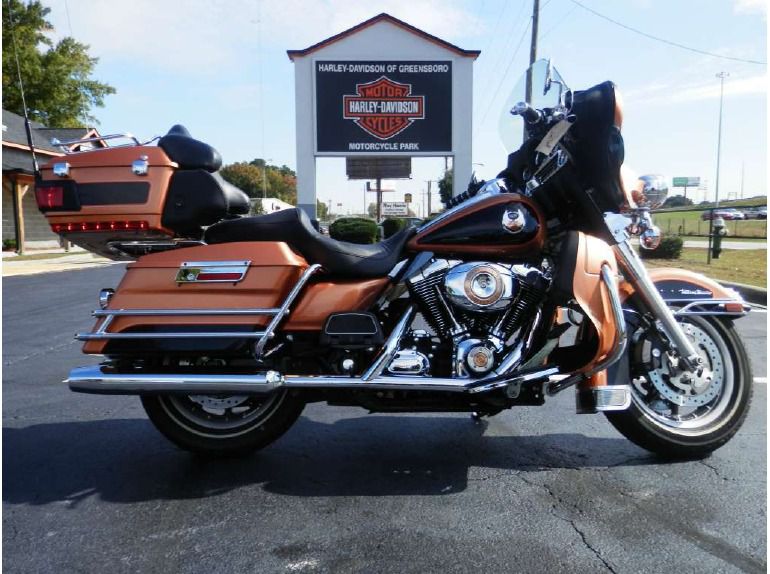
point(480, 286)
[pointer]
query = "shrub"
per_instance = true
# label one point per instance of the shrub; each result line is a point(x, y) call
point(9, 244)
point(354, 230)
point(391, 226)
point(669, 248)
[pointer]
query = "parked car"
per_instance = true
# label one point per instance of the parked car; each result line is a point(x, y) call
point(725, 213)
point(756, 212)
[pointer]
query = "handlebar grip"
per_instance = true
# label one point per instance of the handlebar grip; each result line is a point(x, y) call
point(530, 114)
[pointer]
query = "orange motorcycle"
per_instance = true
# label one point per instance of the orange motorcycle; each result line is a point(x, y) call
point(527, 285)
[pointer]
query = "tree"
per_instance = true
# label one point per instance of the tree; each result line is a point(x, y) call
point(58, 86)
point(244, 176)
point(321, 210)
point(445, 187)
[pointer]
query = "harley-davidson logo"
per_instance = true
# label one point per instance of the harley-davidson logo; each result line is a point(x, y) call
point(383, 108)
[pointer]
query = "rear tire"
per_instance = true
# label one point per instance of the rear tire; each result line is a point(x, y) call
point(653, 421)
point(223, 426)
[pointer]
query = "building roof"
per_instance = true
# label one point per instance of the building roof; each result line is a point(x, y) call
point(16, 156)
point(383, 18)
point(14, 132)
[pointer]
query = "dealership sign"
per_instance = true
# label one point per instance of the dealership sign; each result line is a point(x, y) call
point(383, 107)
point(394, 208)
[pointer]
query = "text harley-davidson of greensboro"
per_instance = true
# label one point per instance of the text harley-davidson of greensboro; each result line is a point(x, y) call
point(527, 285)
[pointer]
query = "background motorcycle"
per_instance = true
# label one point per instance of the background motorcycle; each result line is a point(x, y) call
point(227, 326)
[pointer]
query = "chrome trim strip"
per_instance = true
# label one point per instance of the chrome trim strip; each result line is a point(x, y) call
point(239, 263)
point(99, 336)
point(171, 312)
point(390, 348)
point(284, 310)
point(621, 339)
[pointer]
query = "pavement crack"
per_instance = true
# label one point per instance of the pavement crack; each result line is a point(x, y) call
point(715, 470)
point(588, 545)
point(45, 351)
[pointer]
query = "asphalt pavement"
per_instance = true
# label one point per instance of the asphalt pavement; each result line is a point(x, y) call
point(90, 486)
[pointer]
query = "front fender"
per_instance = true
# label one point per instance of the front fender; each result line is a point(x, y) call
point(691, 293)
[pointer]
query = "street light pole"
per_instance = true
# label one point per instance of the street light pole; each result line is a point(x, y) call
point(721, 76)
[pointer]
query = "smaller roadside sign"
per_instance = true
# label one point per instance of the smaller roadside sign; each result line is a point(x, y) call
point(394, 208)
point(686, 182)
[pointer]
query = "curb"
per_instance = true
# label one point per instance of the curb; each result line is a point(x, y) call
point(750, 293)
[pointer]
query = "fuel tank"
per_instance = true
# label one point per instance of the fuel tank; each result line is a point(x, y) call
point(502, 227)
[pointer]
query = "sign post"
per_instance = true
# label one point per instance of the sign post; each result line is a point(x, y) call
point(685, 182)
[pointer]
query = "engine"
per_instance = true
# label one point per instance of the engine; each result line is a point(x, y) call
point(475, 309)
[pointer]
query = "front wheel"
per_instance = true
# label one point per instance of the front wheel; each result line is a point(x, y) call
point(218, 425)
point(678, 414)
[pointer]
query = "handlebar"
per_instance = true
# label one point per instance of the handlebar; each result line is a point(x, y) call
point(530, 114)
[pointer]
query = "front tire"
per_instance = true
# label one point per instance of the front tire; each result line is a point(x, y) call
point(676, 420)
point(216, 425)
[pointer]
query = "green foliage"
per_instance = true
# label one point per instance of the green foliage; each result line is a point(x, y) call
point(354, 230)
point(251, 177)
point(9, 244)
point(321, 210)
point(445, 187)
point(392, 225)
point(257, 208)
point(677, 201)
point(669, 248)
point(59, 89)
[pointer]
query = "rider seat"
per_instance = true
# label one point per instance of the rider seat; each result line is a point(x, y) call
point(293, 226)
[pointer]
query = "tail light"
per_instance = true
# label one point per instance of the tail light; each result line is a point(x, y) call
point(49, 197)
point(90, 226)
point(57, 196)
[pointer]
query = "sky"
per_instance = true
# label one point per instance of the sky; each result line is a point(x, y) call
point(220, 68)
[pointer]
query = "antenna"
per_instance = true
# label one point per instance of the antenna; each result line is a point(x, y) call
point(35, 167)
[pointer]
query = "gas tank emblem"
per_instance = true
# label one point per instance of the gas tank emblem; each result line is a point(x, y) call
point(212, 271)
point(513, 220)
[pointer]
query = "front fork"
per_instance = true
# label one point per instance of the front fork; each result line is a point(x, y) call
point(637, 275)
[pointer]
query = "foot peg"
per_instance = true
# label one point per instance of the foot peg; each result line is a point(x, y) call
point(602, 399)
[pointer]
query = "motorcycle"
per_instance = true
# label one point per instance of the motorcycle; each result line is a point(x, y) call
point(527, 285)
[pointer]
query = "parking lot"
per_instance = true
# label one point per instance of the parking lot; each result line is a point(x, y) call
point(90, 486)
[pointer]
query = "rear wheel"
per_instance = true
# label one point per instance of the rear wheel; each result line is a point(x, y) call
point(679, 414)
point(219, 425)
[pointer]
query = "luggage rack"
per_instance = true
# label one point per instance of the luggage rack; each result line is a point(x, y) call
point(64, 145)
point(278, 313)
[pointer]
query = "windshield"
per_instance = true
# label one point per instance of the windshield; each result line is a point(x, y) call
point(541, 86)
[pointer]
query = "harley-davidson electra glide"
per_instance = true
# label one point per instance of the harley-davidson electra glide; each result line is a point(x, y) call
point(528, 285)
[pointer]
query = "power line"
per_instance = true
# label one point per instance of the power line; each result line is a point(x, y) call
point(502, 78)
point(663, 40)
point(69, 22)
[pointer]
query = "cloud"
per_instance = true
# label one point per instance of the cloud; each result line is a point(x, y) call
point(211, 37)
point(677, 93)
point(750, 7)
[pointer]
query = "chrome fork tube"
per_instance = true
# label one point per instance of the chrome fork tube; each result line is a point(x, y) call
point(634, 268)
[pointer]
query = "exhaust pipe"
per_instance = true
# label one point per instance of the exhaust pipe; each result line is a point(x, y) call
point(94, 379)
